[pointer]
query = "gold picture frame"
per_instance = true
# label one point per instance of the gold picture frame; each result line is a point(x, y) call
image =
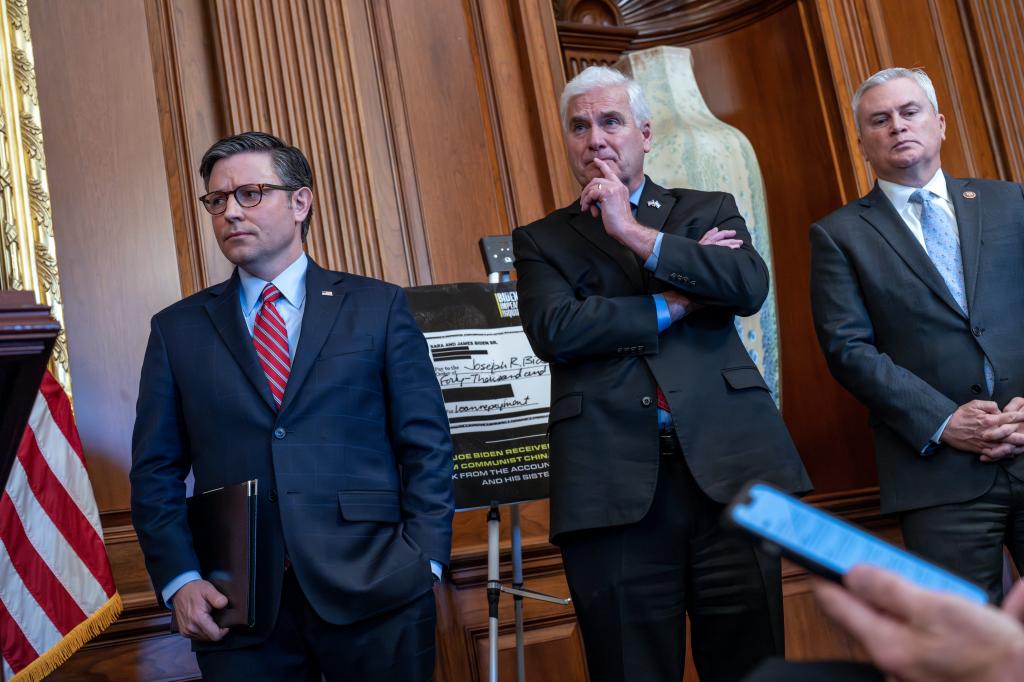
point(28, 252)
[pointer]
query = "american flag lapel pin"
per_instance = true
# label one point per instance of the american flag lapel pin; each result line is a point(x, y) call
point(327, 292)
point(654, 203)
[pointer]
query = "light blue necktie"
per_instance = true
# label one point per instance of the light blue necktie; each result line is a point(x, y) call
point(943, 248)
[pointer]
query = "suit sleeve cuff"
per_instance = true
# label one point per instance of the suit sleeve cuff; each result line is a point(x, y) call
point(652, 261)
point(172, 587)
point(664, 317)
point(936, 439)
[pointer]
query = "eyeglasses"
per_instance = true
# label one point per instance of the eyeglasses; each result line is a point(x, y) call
point(247, 196)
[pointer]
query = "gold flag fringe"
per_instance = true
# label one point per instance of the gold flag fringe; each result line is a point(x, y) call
point(72, 642)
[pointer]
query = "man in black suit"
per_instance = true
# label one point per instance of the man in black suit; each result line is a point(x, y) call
point(918, 298)
point(319, 385)
point(658, 414)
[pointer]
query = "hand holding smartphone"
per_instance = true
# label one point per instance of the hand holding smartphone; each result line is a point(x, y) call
point(829, 546)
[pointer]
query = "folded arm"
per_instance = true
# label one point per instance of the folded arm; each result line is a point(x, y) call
point(732, 278)
point(563, 327)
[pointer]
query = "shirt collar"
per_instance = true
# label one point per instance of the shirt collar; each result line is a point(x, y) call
point(634, 198)
point(291, 283)
point(899, 195)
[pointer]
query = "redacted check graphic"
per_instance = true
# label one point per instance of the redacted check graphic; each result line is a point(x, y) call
point(496, 391)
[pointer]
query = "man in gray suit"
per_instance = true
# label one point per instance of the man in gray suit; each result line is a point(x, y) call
point(917, 291)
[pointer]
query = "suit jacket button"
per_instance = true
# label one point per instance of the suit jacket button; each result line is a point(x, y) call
point(646, 401)
point(279, 433)
point(975, 389)
point(977, 331)
point(272, 496)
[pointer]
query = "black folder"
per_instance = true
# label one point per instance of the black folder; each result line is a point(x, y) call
point(223, 523)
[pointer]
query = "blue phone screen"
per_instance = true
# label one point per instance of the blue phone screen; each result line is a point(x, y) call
point(837, 545)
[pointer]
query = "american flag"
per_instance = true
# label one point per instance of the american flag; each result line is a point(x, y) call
point(56, 587)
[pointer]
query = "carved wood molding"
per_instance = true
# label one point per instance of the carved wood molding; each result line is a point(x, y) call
point(595, 13)
point(587, 45)
point(679, 22)
point(661, 22)
point(856, 45)
point(994, 29)
point(28, 250)
point(312, 73)
point(189, 219)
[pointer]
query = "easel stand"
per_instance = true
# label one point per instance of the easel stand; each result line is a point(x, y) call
point(495, 588)
point(497, 254)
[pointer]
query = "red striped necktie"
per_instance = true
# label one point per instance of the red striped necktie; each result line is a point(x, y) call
point(662, 401)
point(270, 337)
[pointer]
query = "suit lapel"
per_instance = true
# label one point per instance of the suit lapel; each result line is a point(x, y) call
point(968, 221)
point(879, 212)
point(593, 230)
point(656, 203)
point(324, 295)
point(225, 312)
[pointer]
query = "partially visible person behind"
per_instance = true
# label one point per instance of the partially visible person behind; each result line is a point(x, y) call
point(917, 291)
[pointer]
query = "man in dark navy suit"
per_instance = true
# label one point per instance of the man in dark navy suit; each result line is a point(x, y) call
point(319, 385)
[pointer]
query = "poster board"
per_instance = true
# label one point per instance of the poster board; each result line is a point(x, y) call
point(497, 393)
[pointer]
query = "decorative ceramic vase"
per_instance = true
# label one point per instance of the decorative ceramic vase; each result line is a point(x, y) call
point(693, 149)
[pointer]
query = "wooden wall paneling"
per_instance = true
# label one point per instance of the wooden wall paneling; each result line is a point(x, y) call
point(863, 37)
point(584, 45)
point(519, 52)
point(452, 136)
point(995, 36)
point(112, 216)
point(394, 188)
point(188, 95)
point(938, 44)
point(287, 70)
point(843, 146)
point(110, 213)
point(855, 48)
point(536, 20)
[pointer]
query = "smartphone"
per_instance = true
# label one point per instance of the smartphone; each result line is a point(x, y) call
point(829, 546)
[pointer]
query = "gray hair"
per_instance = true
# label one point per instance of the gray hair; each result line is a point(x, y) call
point(289, 162)
point(594, 77)
point(886, 75)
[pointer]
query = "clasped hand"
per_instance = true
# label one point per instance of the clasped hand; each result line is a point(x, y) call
point(608, 198)
point(982, 428)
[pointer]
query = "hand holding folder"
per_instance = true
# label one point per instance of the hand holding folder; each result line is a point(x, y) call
point(223, 524)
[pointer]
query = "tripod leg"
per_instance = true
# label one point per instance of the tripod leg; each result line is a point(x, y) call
point(493, 586)
point(517, 581)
